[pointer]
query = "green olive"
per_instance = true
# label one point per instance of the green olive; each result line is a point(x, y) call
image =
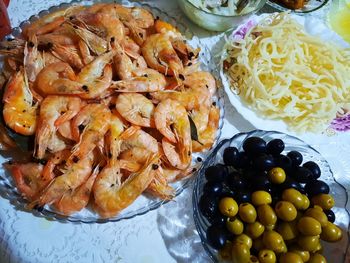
point(317, 258)
point(247, 212)
point(234, 225)
point(290, 257)
point(294, 196)
point(318, 214)
point(261, 198)
point(326, 201)
point(277, 175)
point(243, 238)
point(309, 226)
point(331, 233)
point(285, 210)
point(228, 206)
point(288, 230)
point(253, 259)
point(274, 241)
point(306, 202)
point(266, 215)
point(305, 255)
point(308, 243)
point(240, 253)
point(225, 252)
point(254, 230)
point(258, 244)
point(267, 256)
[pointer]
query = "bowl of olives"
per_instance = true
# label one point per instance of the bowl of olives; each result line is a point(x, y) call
point(265, 196)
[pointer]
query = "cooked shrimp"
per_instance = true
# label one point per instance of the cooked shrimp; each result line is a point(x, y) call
point(115, 130)
point(179, 155)
point(200, 117)
point(14, 47)
point(173, 175)
point(136, 108)
point(77, 199)
point(68, 54)
point(206, 138)
point(201, 80)
point(142, 17)
point(160, 188)
point(143, 80)
point(65, 38)
point(130, 47)
point(33, 62)
point(54, 163)
point(19, 110)
point(65, 130)
point(111, 195)
point(54, 110)
point(93, 120)
point(73, 176)
point(85, 52)
point(160, 55)
point(28, 178)
point(135, 137)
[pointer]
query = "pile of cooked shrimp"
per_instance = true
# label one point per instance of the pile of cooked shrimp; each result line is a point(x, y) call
point(115, 101)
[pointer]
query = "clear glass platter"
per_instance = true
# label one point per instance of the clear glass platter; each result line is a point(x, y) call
point(310, 6)
point(338, 250)
point(143, 204)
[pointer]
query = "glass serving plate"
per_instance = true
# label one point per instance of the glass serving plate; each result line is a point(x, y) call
point(143, 204)
point(337, 250)
point(310, 6)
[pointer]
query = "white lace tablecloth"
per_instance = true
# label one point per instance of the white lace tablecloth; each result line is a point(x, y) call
point(165, 235)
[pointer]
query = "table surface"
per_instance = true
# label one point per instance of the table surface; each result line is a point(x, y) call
point(165, 235)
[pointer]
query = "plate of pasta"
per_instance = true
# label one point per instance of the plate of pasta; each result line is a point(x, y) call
point(288, 72)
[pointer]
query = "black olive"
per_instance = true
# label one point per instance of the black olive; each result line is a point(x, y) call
point(216, 236)
point(314, 169)
point(243, 196)
point(302, 175)
point(264, 162)
point(231, 156)
point(235, 181)
point(316, 187)
point(261, 183)
point(213, 188)
point(275, 146)
point(254, 146)
point(330, 215)
point(284, 162)
point(296, 157)
point(216, 173)
point(208, 206)
point(243, 161)
point(290, 183)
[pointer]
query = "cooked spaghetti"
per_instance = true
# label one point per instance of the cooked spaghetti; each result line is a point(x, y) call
point(283, 73)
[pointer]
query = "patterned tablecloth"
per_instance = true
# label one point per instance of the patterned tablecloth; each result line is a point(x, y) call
point(165, 235)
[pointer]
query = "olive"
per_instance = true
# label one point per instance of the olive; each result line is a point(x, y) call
point(264, 162)
point(208, 205)
point(309, 226)
point(302, 175)
point(306, 202)
point(230, 156)
point(237, 181)
point(308, 243)
point(247, 212)
point(290, 257)
point(261, 183)
point(331, 233)
point(317, 258)
point(234, 225)
point(213, 188)
point(330, 215)
point(225, 252)
point(216, 173)
point(316, 187)
point(317, 214)
point(285, 210)
point(284, 162)
point(290, 183)
point(216, 236)
point(294, 196)
point(243, 196)
point(254, 230)
point(245, 239)
point(228, 206)
point(288, 230)
point(305, 255)
point(266, 215)
point(275, 146)
point(243, 161)
point(313, 168)
point(258, 244)
point(277, 175)
point(254, 146)
point(326, 201)
point(296, 157)
point(253, 259)
point(267, 256)
point(261, 198)
point(274, 241)
point(240, 253)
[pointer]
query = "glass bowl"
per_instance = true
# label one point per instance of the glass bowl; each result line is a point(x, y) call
point(310, 6)
point(215, 22)
point(337, 250)
point(143, 204)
